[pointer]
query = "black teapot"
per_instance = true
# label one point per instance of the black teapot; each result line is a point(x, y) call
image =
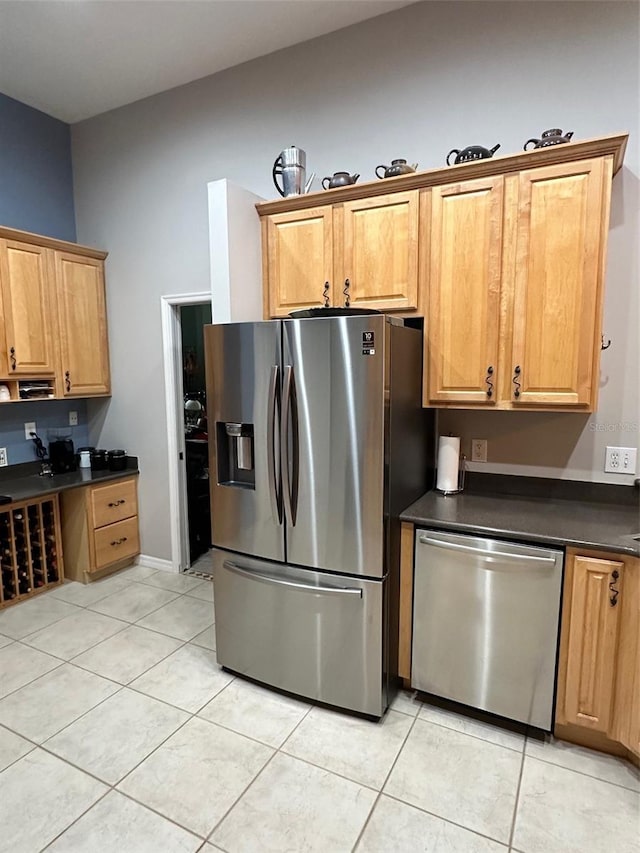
point(549, 137)
point(339, 179)
point(397, 167)
point(472, 152)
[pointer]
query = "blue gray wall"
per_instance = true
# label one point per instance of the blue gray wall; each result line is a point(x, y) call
point(36, 183)
point(36, 194)
point(50, 417)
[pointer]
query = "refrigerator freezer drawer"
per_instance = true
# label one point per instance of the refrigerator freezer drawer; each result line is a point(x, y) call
point(485, 624)
point(315, 634)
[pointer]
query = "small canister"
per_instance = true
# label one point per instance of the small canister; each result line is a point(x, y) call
point(117, 460)
point(99, 460)
point(85, 459)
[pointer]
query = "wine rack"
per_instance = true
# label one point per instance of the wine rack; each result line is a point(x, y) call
point(30, 549)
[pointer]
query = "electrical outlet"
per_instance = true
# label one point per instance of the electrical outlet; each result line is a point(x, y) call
point(3, 457)
point(73, 419)
point(28, 429)
point(478, 449)
point(620, 460)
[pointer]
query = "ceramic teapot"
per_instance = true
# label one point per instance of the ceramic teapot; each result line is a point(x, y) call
point(397, 167)
point(339, 179)
point(472, 152)
point(549, 137)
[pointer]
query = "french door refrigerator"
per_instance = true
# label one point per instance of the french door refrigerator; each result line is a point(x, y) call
point(319, 441)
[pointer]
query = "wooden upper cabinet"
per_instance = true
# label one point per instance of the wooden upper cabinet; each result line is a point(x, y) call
point(299, 248)
point(591, 650)
point(84, 349)
point(26, 281)
point(377, 240)
point(461, 293)
point(560, 237)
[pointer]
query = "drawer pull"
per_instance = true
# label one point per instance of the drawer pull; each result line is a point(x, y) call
point(119, 541)
point(117, 503)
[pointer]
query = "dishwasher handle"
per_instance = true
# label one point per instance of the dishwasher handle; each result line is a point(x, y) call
point(483, 554)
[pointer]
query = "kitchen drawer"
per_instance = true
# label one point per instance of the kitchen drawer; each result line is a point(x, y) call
point(113, 502)
point(115, 542)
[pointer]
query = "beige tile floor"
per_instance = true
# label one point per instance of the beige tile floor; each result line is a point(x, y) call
point(119, 733)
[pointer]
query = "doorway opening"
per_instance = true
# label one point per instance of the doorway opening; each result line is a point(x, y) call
point(183, 319)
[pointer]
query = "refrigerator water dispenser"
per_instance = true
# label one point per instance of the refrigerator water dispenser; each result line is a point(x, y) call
point(235, 455)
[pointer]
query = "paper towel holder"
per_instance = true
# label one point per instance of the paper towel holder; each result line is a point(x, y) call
point(462, 476)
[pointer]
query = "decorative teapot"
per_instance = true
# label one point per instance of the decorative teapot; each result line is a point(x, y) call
point(339, 179)
point(549, 137)
point(291, 165)
point(397, 167)
point(472, 152)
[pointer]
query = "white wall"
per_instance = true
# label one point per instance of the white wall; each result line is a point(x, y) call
point(412, 84)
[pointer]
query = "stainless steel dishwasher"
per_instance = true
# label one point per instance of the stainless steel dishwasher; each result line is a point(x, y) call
point(485, 624)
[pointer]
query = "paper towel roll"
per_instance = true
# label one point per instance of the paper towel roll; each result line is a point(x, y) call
point(448, 463)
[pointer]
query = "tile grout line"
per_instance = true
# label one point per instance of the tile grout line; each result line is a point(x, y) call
point(276, 751)
point(53, 840)
point(469, 734)
point(381, 789)
point(517, 800)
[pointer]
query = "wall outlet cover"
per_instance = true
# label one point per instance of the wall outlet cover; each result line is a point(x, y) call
point(28, 429)
point(620, 460)
point(73, 419)
point(3, 457)
point(478, 449)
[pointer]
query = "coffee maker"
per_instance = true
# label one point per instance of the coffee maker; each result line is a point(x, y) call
point(62, 455)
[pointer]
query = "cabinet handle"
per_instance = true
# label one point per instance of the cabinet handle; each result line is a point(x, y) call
point(117, 503)
point(325, 294)
point(119, 541)
point(489, 381)
point(345, 292)
point(615, 592)
point(12, 355)
point(67, 380)
point(516, 381)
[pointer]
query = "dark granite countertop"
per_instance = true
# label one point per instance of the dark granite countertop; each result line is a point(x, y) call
point(599, 521)
point(23, 482)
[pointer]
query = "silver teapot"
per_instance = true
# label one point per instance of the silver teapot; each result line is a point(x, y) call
point(291, 164)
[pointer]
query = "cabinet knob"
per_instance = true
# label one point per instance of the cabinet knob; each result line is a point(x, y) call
point(67, 380)
point(613, 589)
point(325, 294)
point(489, 381)
point(345, 292)
point(12, 356)
point(516, 380)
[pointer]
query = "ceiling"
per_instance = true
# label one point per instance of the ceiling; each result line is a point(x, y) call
point(75, 59)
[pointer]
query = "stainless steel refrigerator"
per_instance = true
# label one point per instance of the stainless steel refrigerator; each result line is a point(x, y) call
point(317, 442)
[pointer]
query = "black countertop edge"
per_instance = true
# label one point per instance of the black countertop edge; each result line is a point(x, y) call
point(23, 482)
point(525, 536)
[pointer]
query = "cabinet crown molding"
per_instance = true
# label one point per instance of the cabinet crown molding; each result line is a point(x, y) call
point(613, 145)
point(51, 243)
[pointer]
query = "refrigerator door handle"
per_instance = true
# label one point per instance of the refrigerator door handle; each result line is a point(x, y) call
point(273, 473)
point(289, 477)
point(302, 587)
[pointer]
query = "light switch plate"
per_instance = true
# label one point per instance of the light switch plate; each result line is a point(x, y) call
point(620, 460)
point(28, 429)
point(478, 449)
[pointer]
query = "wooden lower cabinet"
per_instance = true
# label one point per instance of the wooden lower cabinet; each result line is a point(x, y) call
point(598, 700)
point(100, 528)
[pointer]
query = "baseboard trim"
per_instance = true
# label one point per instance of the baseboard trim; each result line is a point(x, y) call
point(154, 563)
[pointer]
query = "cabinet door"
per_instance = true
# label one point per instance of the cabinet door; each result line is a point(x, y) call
point(627, 705)
point(463, 304)
point(561, 236)
point(379, 252)
point(24, 274)
point(84, 348)
point(299, 259)
point(592, 646)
